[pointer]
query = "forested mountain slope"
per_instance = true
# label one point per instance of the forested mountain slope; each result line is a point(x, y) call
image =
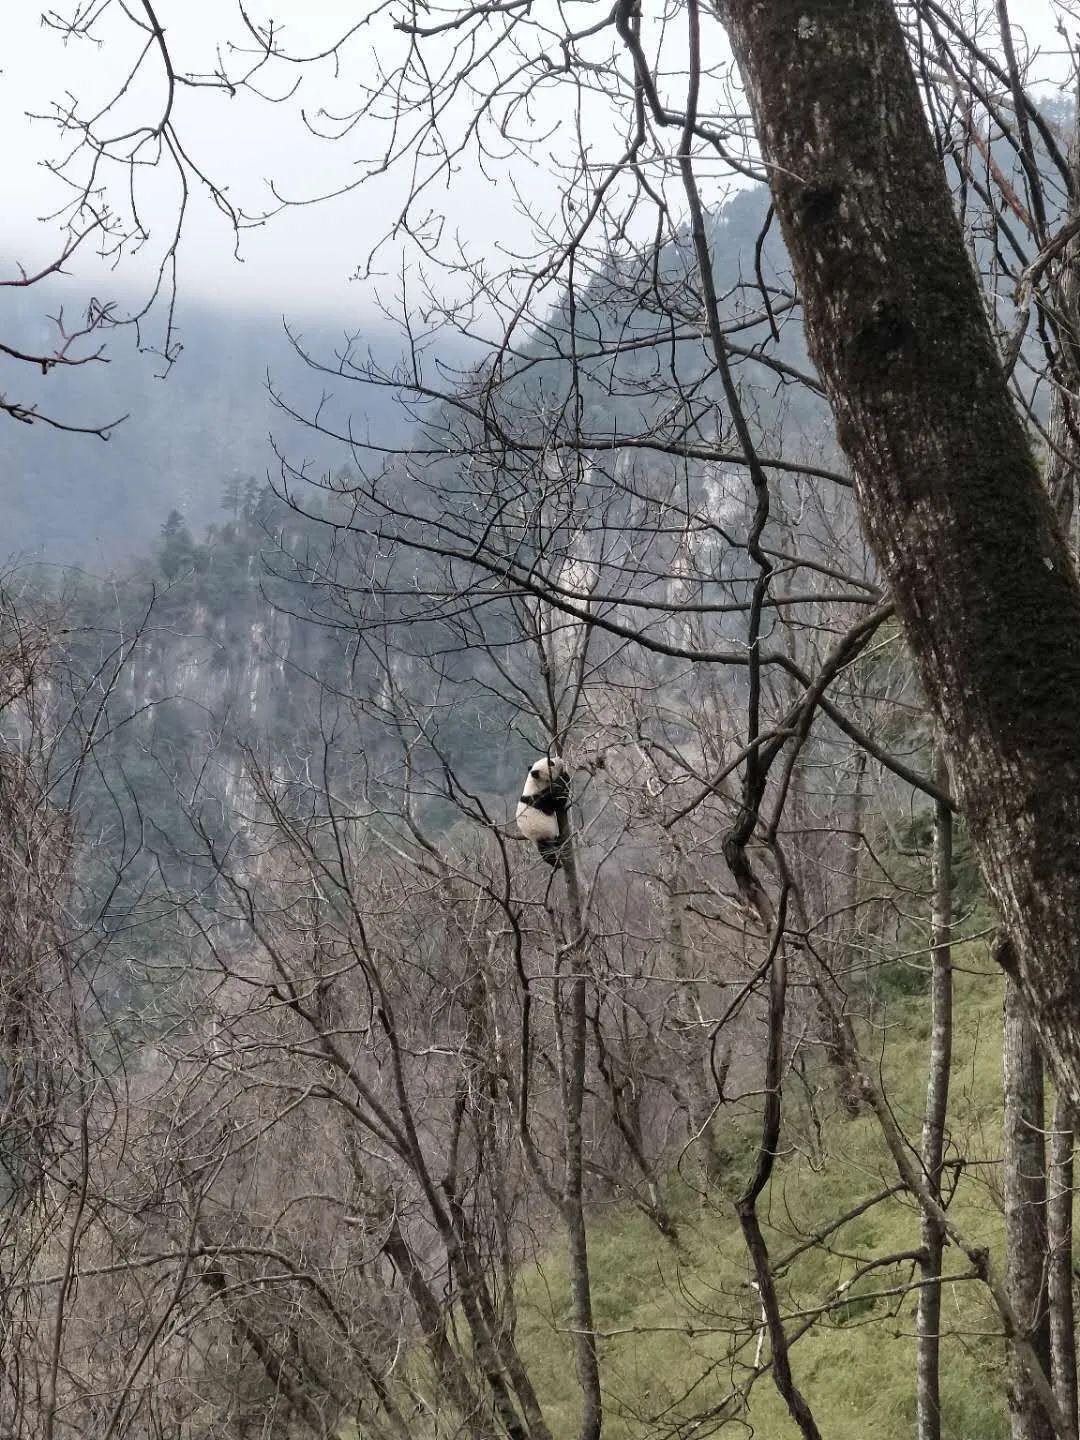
point(387, 1127)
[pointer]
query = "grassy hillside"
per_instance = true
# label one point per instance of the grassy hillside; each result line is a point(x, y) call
point(856, 1366)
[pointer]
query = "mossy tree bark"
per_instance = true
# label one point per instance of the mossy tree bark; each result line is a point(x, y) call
point(949, 490)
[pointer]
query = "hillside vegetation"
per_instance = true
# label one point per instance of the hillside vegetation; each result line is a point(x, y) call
point(655, 1303)
point(332, 1107)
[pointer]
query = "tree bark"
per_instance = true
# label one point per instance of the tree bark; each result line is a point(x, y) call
point(447, 1366)
point(1059, 1224)
point(949, 490)
point(1061, 468)
point(571, 999)
point(928, 1323)
point(1064, 420)
point(746, 1205)
point(281, 1377)
point(1025, 1209)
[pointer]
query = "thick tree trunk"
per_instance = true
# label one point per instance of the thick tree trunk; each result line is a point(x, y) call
point(1025, 1209)
point(949, 490)
point(928, 1324)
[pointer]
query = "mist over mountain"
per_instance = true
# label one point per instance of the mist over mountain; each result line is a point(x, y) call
point(72, 498)
point(69, 498)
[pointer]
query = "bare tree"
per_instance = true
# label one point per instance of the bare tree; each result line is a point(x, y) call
point(1059, 1226)
point(1025, 1207)
point(935, 497)
point(404, 1064)
point(928, 1363)
point(127, 175)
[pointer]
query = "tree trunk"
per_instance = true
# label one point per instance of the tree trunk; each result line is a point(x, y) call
point(1025, 1209)
point(746, 1205)
point(445, 1361)
point(928, 1324)
point(1059, 1224)
point(1064, 421)
point(1061, 468)
point(571, 999)
point(949, 490)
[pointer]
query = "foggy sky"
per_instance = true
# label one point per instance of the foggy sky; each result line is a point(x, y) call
point(301, 261)
point(303, 258)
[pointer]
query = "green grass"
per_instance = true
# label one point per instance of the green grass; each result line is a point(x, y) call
point(665, 1314)
point(856, 1367)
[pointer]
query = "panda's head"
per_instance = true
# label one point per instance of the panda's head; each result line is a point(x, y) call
point(545, 774)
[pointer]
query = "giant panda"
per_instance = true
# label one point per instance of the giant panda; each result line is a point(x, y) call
point(542, 808)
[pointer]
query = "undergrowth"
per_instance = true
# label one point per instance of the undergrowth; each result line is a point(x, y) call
point(666, 1313)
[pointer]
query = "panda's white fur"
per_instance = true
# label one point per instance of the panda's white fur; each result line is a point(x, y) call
point(534, 825)
point(545, 793)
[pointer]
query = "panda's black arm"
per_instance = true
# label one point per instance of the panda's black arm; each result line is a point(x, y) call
point(545, 802)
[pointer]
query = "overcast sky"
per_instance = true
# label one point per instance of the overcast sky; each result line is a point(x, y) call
point(297, 266)
point(302, 260)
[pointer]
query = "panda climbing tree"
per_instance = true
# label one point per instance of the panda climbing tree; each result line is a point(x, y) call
point(541, 811)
